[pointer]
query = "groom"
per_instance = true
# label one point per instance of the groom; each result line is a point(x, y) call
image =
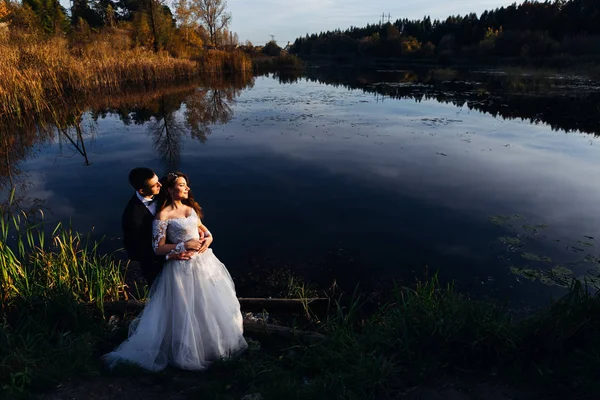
point(137, 224)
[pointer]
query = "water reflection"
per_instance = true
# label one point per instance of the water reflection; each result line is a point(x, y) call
point(205, 103)
point(76, 138)
point(309, 163)
point(565, 103)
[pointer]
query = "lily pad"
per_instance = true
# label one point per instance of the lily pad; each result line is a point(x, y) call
point(535, 257)
point(535, 228)
point(513, 241)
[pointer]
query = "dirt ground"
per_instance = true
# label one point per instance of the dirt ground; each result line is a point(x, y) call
point(185, 387)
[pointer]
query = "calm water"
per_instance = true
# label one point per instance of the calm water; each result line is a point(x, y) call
point(370, 179)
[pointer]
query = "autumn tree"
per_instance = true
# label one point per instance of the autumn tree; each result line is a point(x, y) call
point(187, 23)
point(82, 9)
point(3, 11)
point(110, 18)
point(185, 15)
point(153, 25)
point(212, 15)
point(50, 14)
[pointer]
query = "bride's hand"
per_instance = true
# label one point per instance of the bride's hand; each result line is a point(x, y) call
point(207, 241)
point(186, 255)
point(193, 244)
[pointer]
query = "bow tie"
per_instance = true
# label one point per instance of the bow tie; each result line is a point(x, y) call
point(148, 201)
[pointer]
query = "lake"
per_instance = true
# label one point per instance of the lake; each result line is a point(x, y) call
point(489, 178)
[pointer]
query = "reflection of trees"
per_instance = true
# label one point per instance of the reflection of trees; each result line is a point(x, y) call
point(167, 133)
point(285, 75)
point(533, 98)
point(75, 139)
point(203, 107)
point(16, 144)
point(208, 107)
point(206, 104)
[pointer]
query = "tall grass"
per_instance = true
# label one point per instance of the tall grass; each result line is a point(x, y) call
point(225, 62)
point(31, 266)
point(281, 62)
point(52, 290)
point(35, 74)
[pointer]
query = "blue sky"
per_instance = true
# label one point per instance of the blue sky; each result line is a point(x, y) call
point(255, 20)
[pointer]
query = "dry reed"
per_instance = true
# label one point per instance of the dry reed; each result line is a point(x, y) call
point(36, 74)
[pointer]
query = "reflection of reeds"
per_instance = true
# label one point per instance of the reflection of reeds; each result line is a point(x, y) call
point(35, 75)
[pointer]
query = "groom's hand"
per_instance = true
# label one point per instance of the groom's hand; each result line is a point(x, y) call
point(207, 241)
point(193, 244)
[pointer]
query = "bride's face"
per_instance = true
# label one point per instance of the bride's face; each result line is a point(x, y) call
point(180, 190)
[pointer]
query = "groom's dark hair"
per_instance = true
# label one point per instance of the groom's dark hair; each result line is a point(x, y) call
point(139, 177)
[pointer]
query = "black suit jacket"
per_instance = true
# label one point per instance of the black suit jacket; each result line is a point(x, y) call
point(137, 238)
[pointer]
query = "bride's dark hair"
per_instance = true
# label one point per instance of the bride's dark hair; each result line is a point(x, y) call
point(164, 199)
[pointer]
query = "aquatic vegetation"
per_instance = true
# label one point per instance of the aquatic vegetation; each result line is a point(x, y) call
point(535, 266)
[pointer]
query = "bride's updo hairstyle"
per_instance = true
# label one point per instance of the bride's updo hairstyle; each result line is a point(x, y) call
point(164, 198)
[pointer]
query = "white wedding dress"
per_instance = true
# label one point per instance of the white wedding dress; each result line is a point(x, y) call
point(192, 316)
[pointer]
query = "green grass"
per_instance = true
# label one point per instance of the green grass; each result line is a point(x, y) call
point(52, 292)
point(422, 334)
point(31, 265)
point(52, 328)
point(45, 339)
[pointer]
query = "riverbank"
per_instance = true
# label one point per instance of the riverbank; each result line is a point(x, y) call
point(422, 336)
point(37, 73)
point(585, 67)
point(54, 331)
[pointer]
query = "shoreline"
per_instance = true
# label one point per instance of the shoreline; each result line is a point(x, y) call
point(421, 335)
point(54, 330)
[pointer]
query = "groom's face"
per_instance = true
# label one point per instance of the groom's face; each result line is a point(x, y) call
point(152, 187)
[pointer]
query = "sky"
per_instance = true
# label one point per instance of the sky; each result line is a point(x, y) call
point(256, 20)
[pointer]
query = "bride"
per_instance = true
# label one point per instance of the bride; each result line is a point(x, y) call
point(192, 316)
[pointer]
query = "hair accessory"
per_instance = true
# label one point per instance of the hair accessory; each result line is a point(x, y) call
point(173, 174)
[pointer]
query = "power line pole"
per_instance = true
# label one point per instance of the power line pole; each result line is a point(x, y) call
point(389, 16)
point(382, 18)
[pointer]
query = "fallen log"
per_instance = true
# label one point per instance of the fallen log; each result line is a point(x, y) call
point(259, 327)
point(250, 326)
point(288, 305)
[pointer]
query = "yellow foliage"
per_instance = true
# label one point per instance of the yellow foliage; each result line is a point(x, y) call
point(34, 74)
point(3, 10)
point(491, 34)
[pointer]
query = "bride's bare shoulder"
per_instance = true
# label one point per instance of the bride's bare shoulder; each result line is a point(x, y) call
point(162, 215)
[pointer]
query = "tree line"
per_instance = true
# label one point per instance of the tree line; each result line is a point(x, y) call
point(532, 29)
point(188, 24)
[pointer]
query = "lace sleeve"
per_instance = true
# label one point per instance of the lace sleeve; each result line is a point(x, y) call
point(159, 232)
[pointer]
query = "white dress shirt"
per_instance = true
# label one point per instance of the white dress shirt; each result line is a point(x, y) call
point(148, 202)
